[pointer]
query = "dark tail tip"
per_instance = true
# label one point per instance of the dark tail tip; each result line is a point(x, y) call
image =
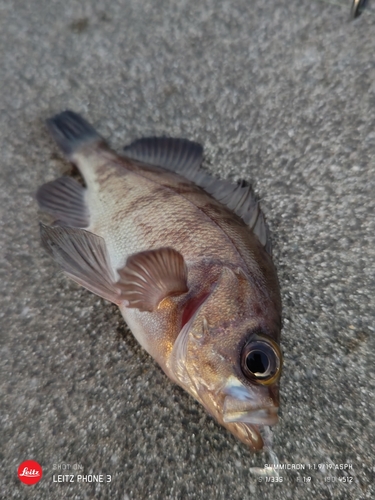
point(71, 131)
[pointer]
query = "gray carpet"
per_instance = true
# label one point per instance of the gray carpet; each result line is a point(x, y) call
point(280, 93)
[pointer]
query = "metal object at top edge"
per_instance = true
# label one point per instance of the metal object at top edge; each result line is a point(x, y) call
point(358, 6)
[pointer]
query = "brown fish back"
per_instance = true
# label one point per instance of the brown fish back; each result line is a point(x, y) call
point(185, 158)
point(197, 223)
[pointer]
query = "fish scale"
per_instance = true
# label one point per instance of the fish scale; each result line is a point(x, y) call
point(121, 203)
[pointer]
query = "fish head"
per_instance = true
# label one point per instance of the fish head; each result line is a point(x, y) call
point(228, 357)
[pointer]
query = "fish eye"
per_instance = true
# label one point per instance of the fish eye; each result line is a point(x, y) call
point(261, 360)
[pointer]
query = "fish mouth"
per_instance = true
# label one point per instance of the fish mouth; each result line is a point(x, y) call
point(258, 416)
point(256, 407)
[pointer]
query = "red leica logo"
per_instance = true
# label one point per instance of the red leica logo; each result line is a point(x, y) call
point(30, 472)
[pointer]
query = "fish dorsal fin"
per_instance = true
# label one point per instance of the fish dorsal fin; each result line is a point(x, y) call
point(64, 198)
point(185, 157)
point(151, 276)
point(83, 257)
point(177, 155)
point(241, 199)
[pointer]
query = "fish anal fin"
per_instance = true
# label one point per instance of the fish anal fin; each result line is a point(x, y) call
point(151, 276)
point(64, 199)
point(83, 257)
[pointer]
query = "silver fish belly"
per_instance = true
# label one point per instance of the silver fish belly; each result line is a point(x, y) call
point(185, 256)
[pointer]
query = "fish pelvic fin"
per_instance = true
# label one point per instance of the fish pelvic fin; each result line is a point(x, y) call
point(64, 199)
point(71, 132)
point(83, 257)
point(151, 276)
point(185, 158)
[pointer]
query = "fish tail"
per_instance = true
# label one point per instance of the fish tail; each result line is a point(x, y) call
point(71, 132)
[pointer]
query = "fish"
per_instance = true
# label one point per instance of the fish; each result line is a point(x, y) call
point(185, 256)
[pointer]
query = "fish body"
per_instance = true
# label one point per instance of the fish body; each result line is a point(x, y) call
point(186, 257)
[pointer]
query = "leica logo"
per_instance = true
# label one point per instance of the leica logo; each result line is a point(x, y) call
point(30, 472)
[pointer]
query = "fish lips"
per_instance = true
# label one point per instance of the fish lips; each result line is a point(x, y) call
point(260, 416)
point(249, 409)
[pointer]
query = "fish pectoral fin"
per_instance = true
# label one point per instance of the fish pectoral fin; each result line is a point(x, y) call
point(178, 155)
point(151, 276)
point(64, 199)
point(83, 257)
